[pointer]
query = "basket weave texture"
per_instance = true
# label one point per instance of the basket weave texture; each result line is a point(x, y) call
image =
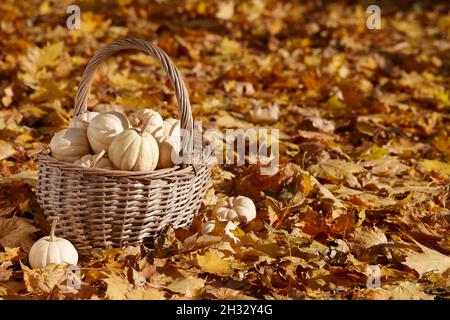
point(99, 208)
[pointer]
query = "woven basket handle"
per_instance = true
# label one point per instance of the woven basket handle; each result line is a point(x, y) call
point(184, 105)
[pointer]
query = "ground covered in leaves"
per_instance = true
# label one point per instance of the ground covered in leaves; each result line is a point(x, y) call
point(364, 144)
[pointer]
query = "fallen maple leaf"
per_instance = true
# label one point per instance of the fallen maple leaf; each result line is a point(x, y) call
point(212, 262)
point(144, 294)
point(407, 291)
point(428, 260)
point(10, 254)
point(116, 287)
point(6, 150)
point(27, 176)
point(15, 232)
point(43, 280)
point(119, 288)
point(435, 165)
point(337, 170)
point(187, 286)
point(386, 166)
point(226, 10)
point(365, 238)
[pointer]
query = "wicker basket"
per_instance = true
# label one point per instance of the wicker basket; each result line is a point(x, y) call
point(100, 208)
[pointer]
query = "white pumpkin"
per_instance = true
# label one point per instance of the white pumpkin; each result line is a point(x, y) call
point(168, 152)
point(69, 144)
point(134, 150)
point(208, 227)
point(95, 161)
point(82, 120)
point(261, 114)
point(52, 250)
point(155, 121)
point(172, 129)
point(235, 208)
point(104, 127)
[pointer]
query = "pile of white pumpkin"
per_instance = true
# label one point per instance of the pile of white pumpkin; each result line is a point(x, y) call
point(232, 211)
point(143, 141)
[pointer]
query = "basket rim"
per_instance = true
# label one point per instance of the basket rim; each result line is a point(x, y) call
point(173, 172)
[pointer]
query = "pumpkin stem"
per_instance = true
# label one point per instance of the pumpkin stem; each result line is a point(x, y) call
point(97, 158)
point(52, 230)
point(230, 202)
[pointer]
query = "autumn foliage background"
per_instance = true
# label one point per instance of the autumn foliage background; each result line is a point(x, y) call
point(364, 144)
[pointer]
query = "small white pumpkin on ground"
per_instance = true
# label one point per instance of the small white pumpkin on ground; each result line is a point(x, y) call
point(155, 121)
point(104, 127)
point(52, 250)
point(95, 161)
point(134, 150)
point(235, 208)
point(82, 120)
point(69, 144)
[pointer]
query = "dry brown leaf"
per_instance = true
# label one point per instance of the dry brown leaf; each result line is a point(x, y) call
point(43, 280)
point(10, 254)
point(27, 176)
point(15, 232)
point(365, 238)
point(428, 260)
point(117, 287)
point(337, 171)
point(386, 166)
point(407, 291)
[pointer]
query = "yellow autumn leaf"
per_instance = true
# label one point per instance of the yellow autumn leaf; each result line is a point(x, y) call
point(374, 152)
point(116, 287)
point(43, 280)
point(186, 286)
point(91, 22)
point(144, 294)
point(124, 82)
point(119, 288)
point(230, 47)
point(226, 10)
point(45, 8)
point(49, 55)
point(435, 165)
point(212, 262)
point(238, 232)
point(406, 199)
point(10, 254)
point(6, 150)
